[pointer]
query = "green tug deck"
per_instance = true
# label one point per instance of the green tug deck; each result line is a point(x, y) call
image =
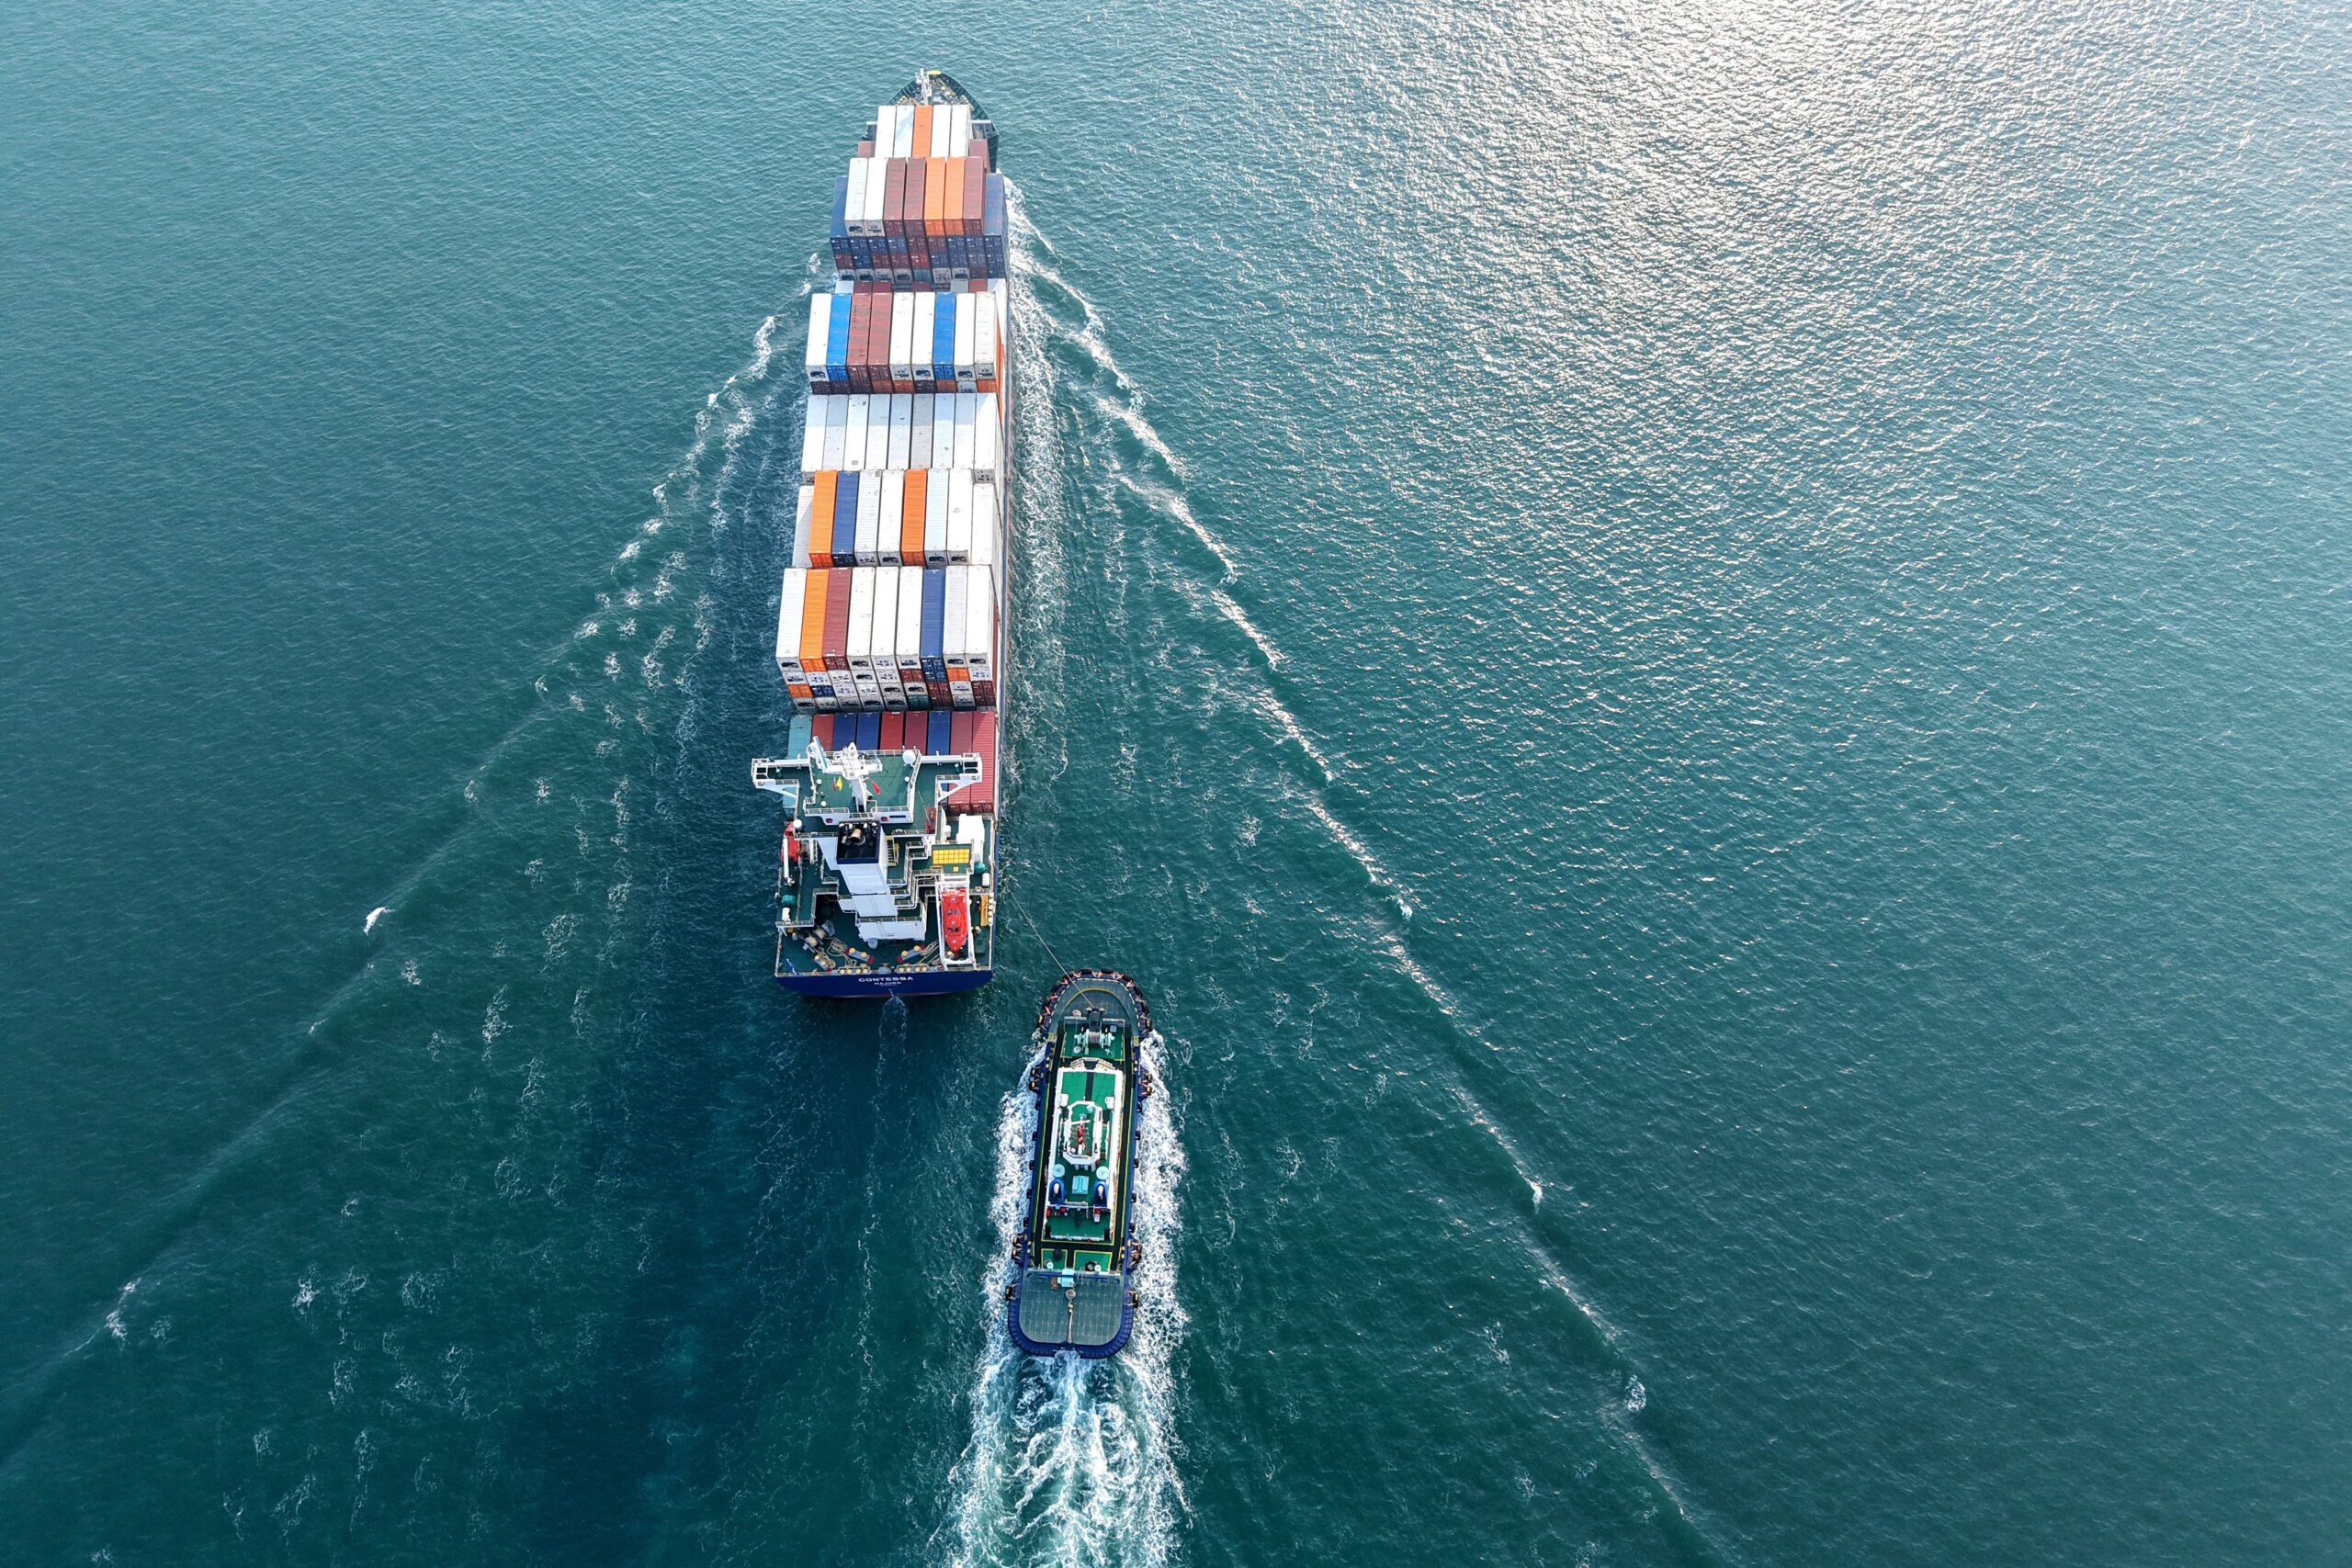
point(1075, 1262)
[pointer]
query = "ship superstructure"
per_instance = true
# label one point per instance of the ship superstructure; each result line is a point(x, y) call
point(890, 633)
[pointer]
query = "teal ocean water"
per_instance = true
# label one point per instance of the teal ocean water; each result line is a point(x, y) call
point(1699, 652)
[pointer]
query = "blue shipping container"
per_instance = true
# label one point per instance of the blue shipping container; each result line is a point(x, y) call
point(934, 622)
point(940, 735)
point(942, 340)
point(837, 341)
point(797, 738)
point(869, 732)
point(844, 518)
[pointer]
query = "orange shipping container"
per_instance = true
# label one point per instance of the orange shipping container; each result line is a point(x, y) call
point(822, 488)
point(837, 623)
point(812, 621)
point(934, 198)
point(911, 516)
point(922, 143)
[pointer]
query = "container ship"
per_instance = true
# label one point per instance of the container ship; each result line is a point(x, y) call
point(892, 627)
point(1074, 1263)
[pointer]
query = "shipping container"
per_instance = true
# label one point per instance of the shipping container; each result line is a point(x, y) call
point(919, 346)
point(939, 737)
point(812, 435)
point(791, 605)
point(967, 318)
point(959, 131)
point(869, 732)
point(860, 646)
point(839, 233)
point(959, 742)
point(912, 517)
point(903, 329)
point(902, 137)
point(894, 500)
point(924, 115)
point(821, 488)
point(868, 536)
point(919, 441)
point(934, 198)
point(943, 342)
point(934, 626)
point(812, 624)
point(797, 738)
point(909, 630)
point(936, 495)
point(984, 359)
point(957, 596)
point(836, 644)
point(837, 342)
point(942, 428)
point(981, 796)
point(959, 514)
point(988, 457)
point(882, 652)
point(820, 324)
point(800, 523)
point(861, 406)
point(828, 455)
point(967, 419)
point(985, 539)
point(979, 623)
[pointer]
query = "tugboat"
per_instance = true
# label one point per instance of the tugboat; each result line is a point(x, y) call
point(1075, 1263)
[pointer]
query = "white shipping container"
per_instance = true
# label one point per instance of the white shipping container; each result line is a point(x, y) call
point(902, 332)
point(951, 625)
point(894, 503)
point(966, 321)
point(854, 210)
point(813, 435)
point(836, 433)
point(943, 431)
point(959, 131)
point(980, 624)
point(959, 514)
point(986, 433)
point(854, 435)
point(984, 537)
point(800, 525)
point(869, 518)
point(934, 522)
point(787, 623)
point(885, 637)
point(937, 146)
point(910, 626)
point(919, 441)
point(821, 320)
point(861, 619)
point(877, 435)
point(902, 138)
point(926, 328)
point(984, 338)
point(967, 419)
point(902, 420)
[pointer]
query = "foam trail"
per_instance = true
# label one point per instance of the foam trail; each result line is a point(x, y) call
point(1156, 477)
point(1073, 1463)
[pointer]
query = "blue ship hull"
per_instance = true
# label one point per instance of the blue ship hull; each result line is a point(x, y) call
point(871, 988)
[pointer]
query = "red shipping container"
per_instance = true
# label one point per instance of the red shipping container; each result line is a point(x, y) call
point(821, 727)
point(837, 621)
point(984, 693)
point(894, 198)
point(917, 181)
point(940, 696)
point(960, 731)
point(982, 797)
point(976, 173)
point(894, 732)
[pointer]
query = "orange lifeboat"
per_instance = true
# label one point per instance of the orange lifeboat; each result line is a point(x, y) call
point(955, 921)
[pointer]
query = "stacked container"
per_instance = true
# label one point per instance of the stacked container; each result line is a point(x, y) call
point(889, 624)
